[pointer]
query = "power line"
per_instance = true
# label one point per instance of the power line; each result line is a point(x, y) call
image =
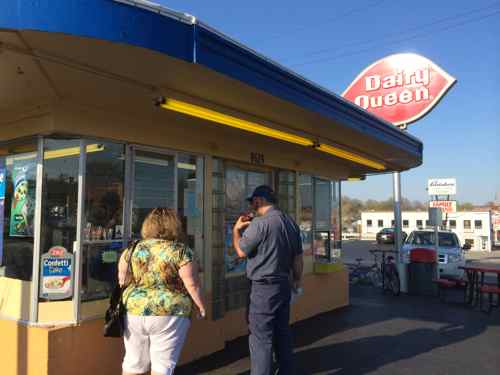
point(424, 35)
point(399, 33)
point(290, 32)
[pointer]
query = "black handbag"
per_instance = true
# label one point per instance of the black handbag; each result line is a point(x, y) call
point(114, 319)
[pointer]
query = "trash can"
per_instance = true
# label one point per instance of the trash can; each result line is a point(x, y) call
point(422, 272)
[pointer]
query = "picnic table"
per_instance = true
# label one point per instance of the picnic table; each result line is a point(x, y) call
point(477, 285)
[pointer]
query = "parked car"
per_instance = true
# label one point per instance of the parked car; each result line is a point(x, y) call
point(450, 252)
point(386, 236)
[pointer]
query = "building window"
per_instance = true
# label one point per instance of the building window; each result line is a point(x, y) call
point(419, 223)
point(478, 224)
point(369, 223)
point(470, 242)
point(18, 165)
point(467, 224)
point(322, 218)
point(306, 212)
point(287, 197)
point(406, 223)
point(427, 223)
point(443, 224)
point(381, 223)
point(393, 223)
point(453, 224)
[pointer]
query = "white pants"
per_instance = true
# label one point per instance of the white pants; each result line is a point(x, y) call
point(153, 342)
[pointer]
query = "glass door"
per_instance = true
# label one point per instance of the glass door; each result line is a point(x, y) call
point(153, 181)
point(240, 184)
point(167, 179)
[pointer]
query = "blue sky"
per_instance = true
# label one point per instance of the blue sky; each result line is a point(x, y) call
point(331, 42)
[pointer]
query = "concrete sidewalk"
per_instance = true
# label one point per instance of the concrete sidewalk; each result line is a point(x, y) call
point(380, 334)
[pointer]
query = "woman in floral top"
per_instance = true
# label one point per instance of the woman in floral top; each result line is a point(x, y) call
point(162, 285)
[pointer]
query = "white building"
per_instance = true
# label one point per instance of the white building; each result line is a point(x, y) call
point(474, 227)
point(496, 228)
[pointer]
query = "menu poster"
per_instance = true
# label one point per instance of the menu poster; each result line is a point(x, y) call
point(2, 205)
point(56, 274)
point(23, 199)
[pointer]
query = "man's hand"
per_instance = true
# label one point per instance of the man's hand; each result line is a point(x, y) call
point(241, 224)
point(296, 285)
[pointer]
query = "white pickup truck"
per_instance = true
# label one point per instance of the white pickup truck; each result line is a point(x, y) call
point(450, 252)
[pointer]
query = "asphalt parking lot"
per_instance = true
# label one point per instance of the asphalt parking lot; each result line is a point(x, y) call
point(355, 249)
point(382, 335)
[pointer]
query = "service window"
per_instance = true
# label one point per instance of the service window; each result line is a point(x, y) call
point(18, 161)
point(103, 217)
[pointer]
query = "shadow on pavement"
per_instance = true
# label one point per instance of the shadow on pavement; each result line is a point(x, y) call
point(375, 331)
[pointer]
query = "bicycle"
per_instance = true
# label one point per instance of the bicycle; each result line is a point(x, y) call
point(359, 274)
point(385, 274)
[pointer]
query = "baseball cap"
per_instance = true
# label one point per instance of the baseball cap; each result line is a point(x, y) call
point(263, 191)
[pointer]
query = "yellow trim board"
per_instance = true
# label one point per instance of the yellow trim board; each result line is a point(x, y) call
point(328, 267)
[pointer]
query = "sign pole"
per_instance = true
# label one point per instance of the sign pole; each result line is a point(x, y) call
point(396, 177)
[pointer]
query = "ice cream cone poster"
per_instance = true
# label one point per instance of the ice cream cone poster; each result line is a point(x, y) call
point(23, 199)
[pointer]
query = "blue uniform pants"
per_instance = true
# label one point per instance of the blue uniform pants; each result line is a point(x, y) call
point(269, 325)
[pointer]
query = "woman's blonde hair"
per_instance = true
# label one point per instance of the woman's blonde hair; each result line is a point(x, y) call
point(162, 223)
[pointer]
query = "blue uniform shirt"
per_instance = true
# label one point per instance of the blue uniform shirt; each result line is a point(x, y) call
point(271, 242)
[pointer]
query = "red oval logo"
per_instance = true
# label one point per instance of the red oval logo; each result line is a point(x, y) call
point(400, 88)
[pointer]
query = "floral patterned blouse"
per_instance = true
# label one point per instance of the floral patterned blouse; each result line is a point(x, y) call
point(156, 288)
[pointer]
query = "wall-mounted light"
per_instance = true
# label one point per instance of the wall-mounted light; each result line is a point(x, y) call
point(252, 127)
point(71, 151)
point(350, 156)
point(228, 120)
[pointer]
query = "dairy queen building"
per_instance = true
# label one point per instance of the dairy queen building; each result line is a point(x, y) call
point(110, 108)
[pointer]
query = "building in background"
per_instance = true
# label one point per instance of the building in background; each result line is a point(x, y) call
point(473, 227)
point(495, 217)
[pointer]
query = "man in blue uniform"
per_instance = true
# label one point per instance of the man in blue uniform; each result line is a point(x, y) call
point(271, 242)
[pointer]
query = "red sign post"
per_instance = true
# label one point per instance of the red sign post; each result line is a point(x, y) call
point(400, 88)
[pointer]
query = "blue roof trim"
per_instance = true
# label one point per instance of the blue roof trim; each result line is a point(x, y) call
point(223, 55)
point(146, 25)
point(102, 19)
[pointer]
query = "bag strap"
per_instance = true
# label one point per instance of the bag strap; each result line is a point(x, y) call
point(129, 265)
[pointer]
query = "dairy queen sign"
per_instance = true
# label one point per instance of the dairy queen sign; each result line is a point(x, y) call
point(400, 88)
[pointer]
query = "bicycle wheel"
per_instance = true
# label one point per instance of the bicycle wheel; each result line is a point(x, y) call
point(376, 278)
point(394, 284)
